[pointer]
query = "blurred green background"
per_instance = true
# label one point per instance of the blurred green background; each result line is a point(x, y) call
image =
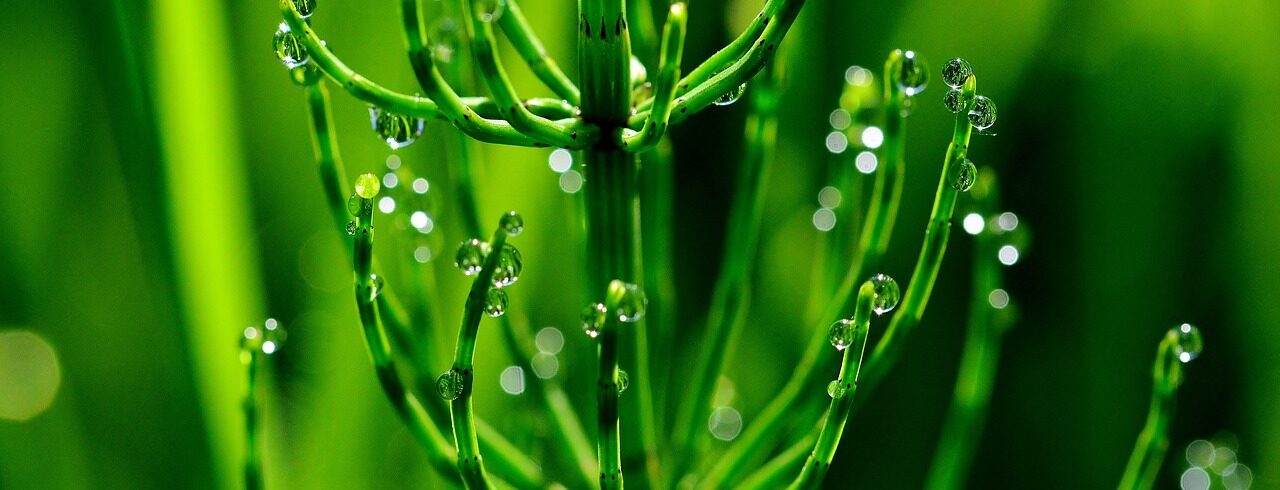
point(160, 194)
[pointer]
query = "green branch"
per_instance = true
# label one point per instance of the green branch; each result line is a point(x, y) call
point(841, 390)
point(526, 43)
point(484, 48)
point(1180, 345)
point(664, 87)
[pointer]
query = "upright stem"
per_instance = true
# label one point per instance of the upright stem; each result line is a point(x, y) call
point(963, 426)
point(1153, 441)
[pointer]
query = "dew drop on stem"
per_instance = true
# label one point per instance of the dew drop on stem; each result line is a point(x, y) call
point(837, 388)
point(958, 101)
point(732, 95)
point(510, 264)
point(367, 186)
point(495, 303)
point(955, 72)
point(982, 114)
point(622, 380)
point(1190, 343)
point(511, 223)
point(289, 48)
point(397, 130)
point(450, 385)
point(841, 333)
point(471, 255)
point(593, 317)
point(913, 75)
point(887, 294)
point(632, 304)
point(963, 174)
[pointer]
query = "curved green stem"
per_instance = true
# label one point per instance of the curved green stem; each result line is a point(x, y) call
point(730, 295)
point(664, 87)
point(607, 392)
point(470, 465)
point(251, 358)
point(484, 48)
point(526, 43)
point(406, 404)
point(775, 473)
point(886, 195)
point(930, 260)
point(776, 19)
point(815, 468)
point(963, 426)
point(1153, 441)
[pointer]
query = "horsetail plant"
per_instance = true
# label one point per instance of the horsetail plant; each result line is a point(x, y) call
point(1180, 345)
point(618, 117)
point(255, 344)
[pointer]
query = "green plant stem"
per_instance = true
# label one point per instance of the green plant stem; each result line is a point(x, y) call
point(526, 43)
point(730, 295)
point(886, 196)
point(442, 102)
point(930, 260)
point(439, 453)
point(657, 186)
point(484, 48)
point(815, 468)
point(251, 358)
point(1153, 441)
point(963, 426)
point(506, 460)
point(511, 464)
point(664, 87)
point(470, 465)
point(777, 19)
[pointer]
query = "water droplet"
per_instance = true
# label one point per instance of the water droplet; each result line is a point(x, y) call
point(886, 294)
point(1200, 453)
point(631, 305)
point(974, 224)
point(829, 197)
point(30, 375)
point(387, 204)
point(837, 142)
point(963, 174)
point(731, 96)
point(511, 223)
point(857, 75)
point(367, 186)
point(998, 299)
point(837, 388)
point(509, 266)
point(983, 113)
point(622, 380)
point(470, 256)
point(958, 101)
point(444, 40)
point(354, 205)
point(422, 254)
point(421, 185)
point(593, 317)
point(955, 72)
point(840, 119)
point(571, 181)
point(512, 380)
point(397, 130)
point(273, 336)
point(841, 333)
point(1194, 479)
point(377, 283)
point(450, 385)
point(351, 228)
point(544, 365)
point(390, 180)
point(1189, 342)
point(913, 75)
point(495, 303)
point(1007, 221)
point(289, 47)
point(490, 10)
point(824, 219)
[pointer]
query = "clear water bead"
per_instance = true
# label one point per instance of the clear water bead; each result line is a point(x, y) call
point(450, 385)
point(837, 388)
point(913, 75)
point(397, 130)
point(351, 228)
point(367, 186)
point(887, 294)
point(631, 306)
point(593, 317)
point(983, 113)
point(509, 266)
point(841, 333)
point(958, 101)
point(471, 255)
point(622, 380)
point(495, 303)
point(731, 96)
point(511, 223)
point(304, 7)
point(955, 72)
point(288, 47)
point(963, 175)
point(1190, 343)
point(490, 10)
